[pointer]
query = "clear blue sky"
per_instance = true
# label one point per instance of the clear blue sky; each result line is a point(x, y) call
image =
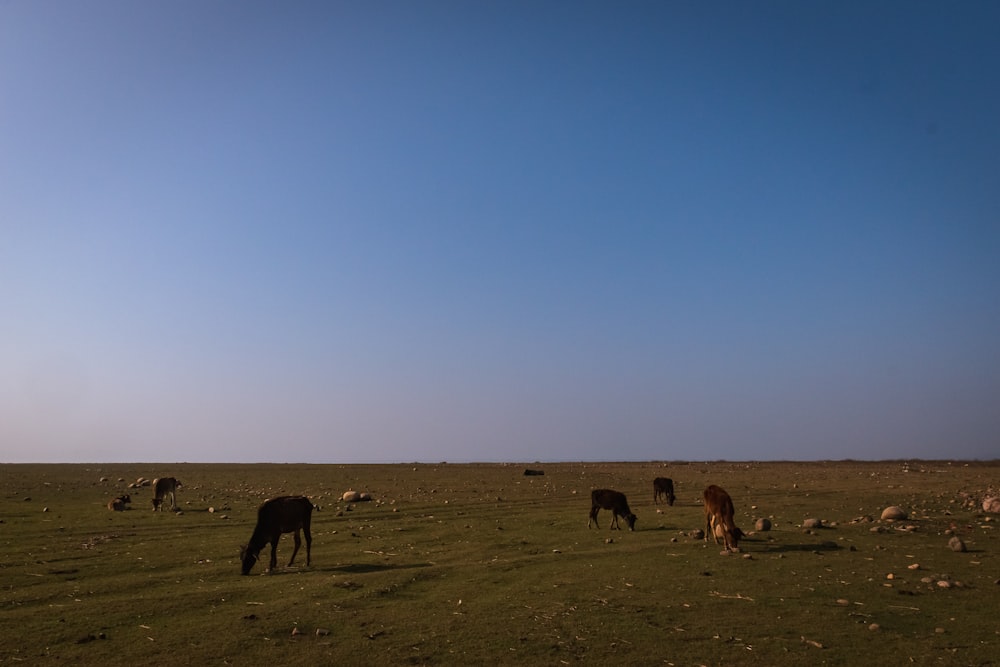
point(499, 231)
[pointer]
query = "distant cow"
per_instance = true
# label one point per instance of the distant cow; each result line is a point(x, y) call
point(663, 486)
point(118, 504)
point(719, 518)
point(163, 487)
point(614, 501)
point(285, 514)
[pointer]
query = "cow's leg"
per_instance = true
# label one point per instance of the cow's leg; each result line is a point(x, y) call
point(274, 552)
point(298, 543)
point(593, 516)
point(309, 543)
point(614, 520)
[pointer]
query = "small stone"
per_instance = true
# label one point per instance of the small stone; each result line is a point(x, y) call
point(295, 632)
point(890, 576)
point(322, 632)
point(211, 510)
point(914, 566)
point(812, 523)
point(939, 631)
point(956, 544)
point(874, 627)
point(763, 525)
point(944, 584)
point(843, 603)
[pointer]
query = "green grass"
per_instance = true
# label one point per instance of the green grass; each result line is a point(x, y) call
point(477, 564)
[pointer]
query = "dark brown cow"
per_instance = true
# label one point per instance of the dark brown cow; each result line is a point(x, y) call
point(163, 487)
point(614, 501)
point(285, 514)
point(663, 486)
point(719, 518)
point(119, 504)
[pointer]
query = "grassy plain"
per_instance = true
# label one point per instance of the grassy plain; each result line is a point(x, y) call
point(479, 564)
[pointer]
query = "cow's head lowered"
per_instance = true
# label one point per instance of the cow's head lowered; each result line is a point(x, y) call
point(249, 558)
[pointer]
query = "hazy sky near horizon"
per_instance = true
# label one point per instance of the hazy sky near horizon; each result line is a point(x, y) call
point(498, 231)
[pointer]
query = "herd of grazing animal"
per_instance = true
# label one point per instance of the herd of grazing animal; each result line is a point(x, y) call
point(293, 514)
point(719, 514)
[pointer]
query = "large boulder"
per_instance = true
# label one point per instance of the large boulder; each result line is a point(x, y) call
point(893, 513)
point(351, 497)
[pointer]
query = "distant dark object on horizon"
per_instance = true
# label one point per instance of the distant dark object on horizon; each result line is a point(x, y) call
point(528, 472)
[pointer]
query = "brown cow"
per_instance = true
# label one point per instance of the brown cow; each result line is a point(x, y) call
point(614, 501)
point(118, 504)
point(719, 518)
point(663, 486)
point(163, 487)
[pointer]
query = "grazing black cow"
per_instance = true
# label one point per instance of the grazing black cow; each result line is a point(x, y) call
point(719, 518)
point(663, 486)
point(286, 514)
point(614, 501)
point(163, 487)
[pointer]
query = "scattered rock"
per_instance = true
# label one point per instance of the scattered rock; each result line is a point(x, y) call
point(350, 496)
point(914, 566)
point(812, 523)
point(956, 544)
point(944, 584)
point(322, 632)
point(893, 513)
point(697, 534)
point(295, 632)
point(874, 627)
point(763, 525)
point(843, 603)
point(992, 505)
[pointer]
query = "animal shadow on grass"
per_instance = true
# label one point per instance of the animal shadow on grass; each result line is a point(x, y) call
point(785, 548)
point(364, 568)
